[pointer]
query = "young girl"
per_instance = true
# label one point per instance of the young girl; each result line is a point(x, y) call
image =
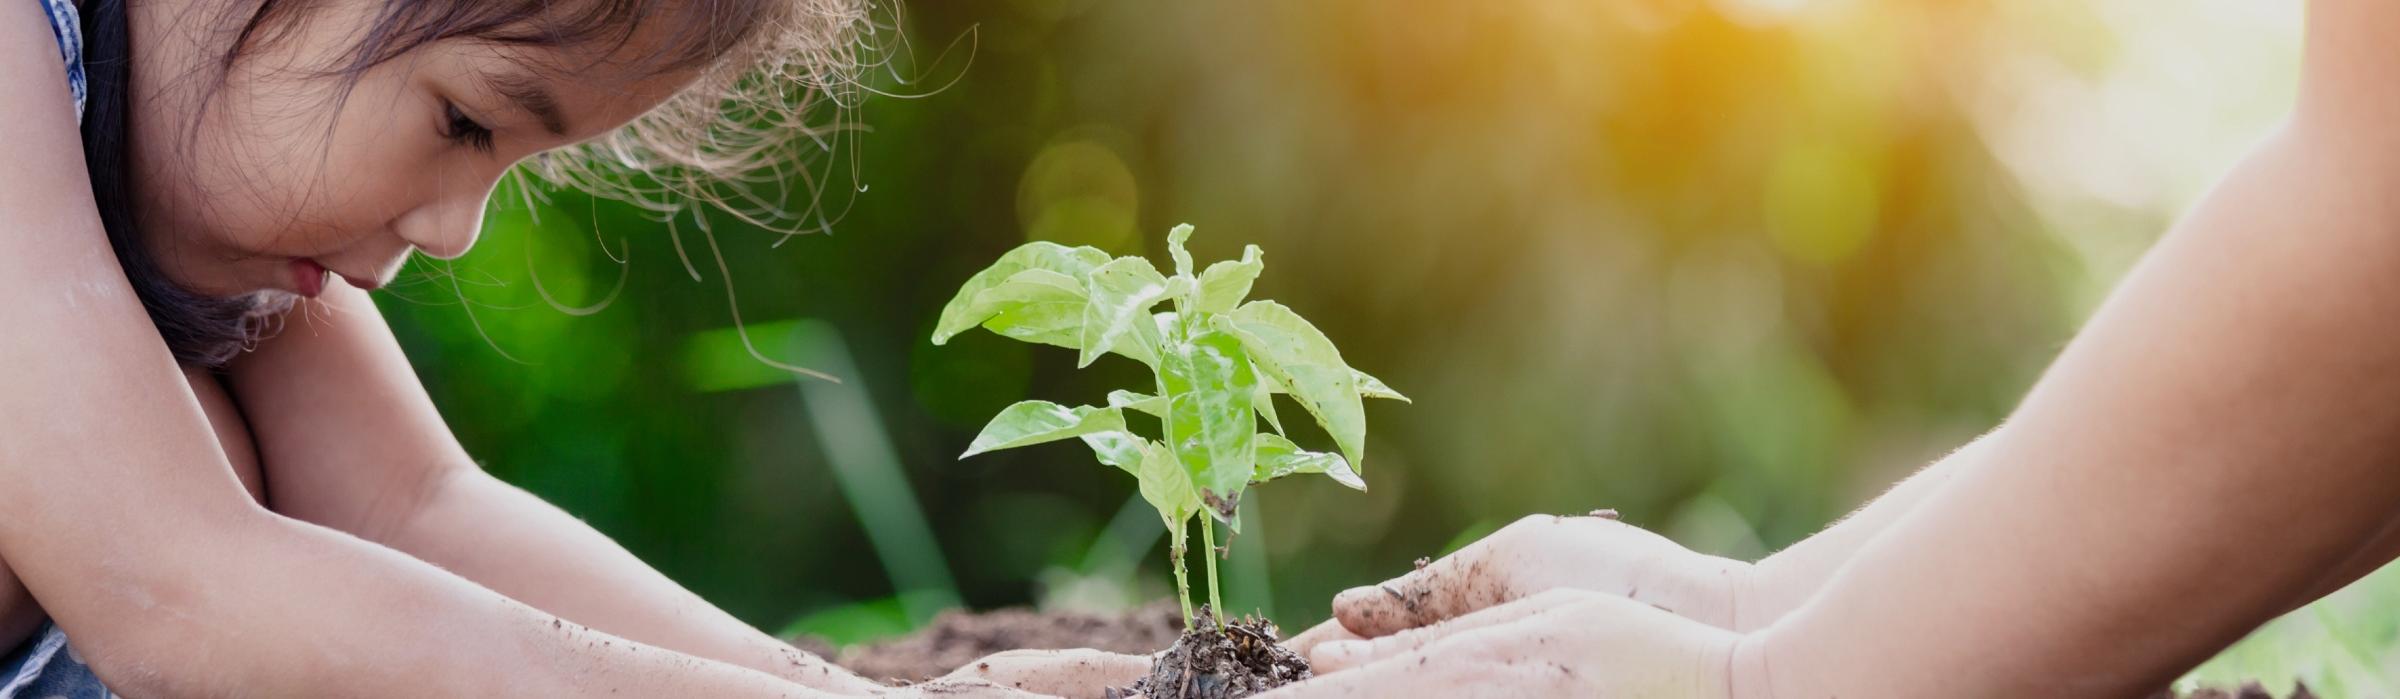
point(180, 517)
point(2220, 445)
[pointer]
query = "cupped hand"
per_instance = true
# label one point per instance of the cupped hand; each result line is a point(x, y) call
point(1562, 643)
point(1538, 553)
point(1072, 674)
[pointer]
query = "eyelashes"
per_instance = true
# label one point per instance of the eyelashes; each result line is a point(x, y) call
point(464, 130)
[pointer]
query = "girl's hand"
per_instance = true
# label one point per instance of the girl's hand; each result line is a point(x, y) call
point(1072, 674)
point(1544, 552)
point(1560, 643)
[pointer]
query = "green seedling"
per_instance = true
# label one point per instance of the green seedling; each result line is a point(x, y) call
point(1218, 361)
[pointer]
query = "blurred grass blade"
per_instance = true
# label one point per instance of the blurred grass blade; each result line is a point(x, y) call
point(867, 469)
point(1248, 587)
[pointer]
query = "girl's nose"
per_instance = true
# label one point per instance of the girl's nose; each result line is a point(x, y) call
point(446, 227)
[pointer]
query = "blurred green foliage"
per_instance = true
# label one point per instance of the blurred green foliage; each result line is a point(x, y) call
point(1730, 268)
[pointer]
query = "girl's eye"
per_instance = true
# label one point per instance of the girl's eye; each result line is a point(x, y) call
point(458, 127)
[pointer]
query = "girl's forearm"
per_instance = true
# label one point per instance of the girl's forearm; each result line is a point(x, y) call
point(388, 470)
point(296, 609)
point(504, 538)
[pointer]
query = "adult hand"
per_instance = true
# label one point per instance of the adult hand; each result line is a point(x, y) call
point(1545, 552)
point(1563, 642)
point(952, 688)
point(1072, 674)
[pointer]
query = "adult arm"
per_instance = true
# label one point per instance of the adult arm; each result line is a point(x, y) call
point(1784, 581)
point(2219, 438)
point(1541, 553)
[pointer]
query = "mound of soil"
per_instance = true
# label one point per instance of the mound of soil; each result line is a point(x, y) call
point(956, 638)
point(1244, 657)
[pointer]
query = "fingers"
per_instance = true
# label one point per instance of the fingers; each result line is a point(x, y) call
point(954, 688)
point(1557, 643)
point(1073, 674)
point(1320, 634)
point(1336, 656)
point(1472, 578)
point(1542, 552)
point(1440, 672)
point(1410, 678)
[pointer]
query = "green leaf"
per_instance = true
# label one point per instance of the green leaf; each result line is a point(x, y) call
point(1118, 308)
point(1226, 283)
point(1279, 457)
point(1368, 387)
point(1115, 448)
point(1287, 347)
point(964, 312)
point(1046, 307)
point(1167, 488)
point(1142, 402)
point(1265, 402)
point(1168, 327)
point(1211, 392)
point(1183, 258)
point(1031, 286)
point(1037, 421)
point(1180, 287)
point(1371, 387)
point(1035, 305)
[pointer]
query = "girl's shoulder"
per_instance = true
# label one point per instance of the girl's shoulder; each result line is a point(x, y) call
point(66, 24)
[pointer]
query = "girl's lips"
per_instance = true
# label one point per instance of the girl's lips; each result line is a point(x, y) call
point(308, 277)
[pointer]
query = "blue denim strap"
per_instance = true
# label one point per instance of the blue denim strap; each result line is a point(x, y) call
point(47, 668)
point(67, 25)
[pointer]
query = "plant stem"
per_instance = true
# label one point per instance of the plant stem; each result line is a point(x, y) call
point(1183, 585)
point(1208, 538)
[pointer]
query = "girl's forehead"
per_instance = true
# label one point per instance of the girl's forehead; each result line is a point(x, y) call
point(571, 93)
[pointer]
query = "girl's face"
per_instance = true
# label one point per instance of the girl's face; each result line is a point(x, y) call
point(284, 178)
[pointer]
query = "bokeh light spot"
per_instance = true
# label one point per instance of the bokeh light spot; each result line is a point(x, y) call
point(1821, 202)
point(1078, 193)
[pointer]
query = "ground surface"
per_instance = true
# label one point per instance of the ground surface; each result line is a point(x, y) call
point(1237, 660)
point(1234, 661)
point(956, 638)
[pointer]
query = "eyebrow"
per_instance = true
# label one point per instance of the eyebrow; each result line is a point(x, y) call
point(531, 96)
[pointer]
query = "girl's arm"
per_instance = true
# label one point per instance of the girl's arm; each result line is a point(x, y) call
point(126, 524)
point(351, 441)
point(2219, 442)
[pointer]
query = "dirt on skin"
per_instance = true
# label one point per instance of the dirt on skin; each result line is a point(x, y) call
point(2248, 690)
point(956, 638)
point(1244, 657)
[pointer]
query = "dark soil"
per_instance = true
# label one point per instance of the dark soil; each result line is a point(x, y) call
point(1244, 657)
point(2248, 690)
point(956, 638)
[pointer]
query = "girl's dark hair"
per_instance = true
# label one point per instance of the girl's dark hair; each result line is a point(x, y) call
point(200, 329)
point(764, 65)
